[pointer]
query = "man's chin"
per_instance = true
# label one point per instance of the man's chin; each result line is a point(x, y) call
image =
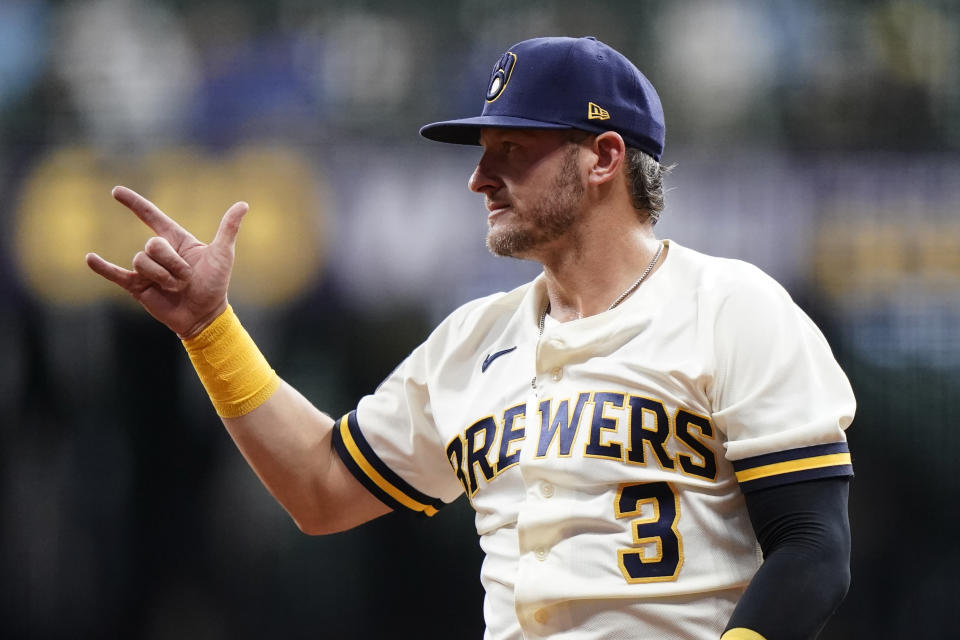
point(507, 245)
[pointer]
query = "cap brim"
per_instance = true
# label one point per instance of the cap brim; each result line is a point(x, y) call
point(467, 130)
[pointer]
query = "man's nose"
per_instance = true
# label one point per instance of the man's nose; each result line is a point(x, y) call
point(482, 177)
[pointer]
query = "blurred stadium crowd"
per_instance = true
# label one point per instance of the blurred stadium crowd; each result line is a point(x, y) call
point(818, 140)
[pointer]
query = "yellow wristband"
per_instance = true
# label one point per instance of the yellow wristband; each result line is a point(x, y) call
point(235, 374)
point(740, 633)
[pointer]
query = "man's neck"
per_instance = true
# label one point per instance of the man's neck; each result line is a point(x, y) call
point(589, 274)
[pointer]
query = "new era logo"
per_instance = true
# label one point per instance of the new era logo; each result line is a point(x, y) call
point(596, 112)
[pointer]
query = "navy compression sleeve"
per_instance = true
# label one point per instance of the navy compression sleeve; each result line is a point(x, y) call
point(804, 533)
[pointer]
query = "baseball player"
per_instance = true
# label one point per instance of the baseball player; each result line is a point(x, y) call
point(652, 439)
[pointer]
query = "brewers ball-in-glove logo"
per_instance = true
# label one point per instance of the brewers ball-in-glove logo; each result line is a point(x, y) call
point(501, 75)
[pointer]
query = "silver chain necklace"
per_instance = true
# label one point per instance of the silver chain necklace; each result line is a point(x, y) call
point(620, 298)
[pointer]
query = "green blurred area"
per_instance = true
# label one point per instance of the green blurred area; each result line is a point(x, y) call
point(819, 140)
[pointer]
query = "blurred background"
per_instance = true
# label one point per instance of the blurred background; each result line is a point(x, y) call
point(817, 139)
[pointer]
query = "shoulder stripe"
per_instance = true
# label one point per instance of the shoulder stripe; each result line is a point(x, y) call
point(790, 454)
point(376, 476)
point(795, 465)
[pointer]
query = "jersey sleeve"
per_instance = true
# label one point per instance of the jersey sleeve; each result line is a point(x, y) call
point(391, 444)
point(778, 392)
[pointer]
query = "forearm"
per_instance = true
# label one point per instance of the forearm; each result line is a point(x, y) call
point(805, 537)
point(183, 283)
point(287, 442)
point(796, 608)
point(284, 438)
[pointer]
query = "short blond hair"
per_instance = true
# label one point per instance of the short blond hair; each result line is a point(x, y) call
point(645, 179)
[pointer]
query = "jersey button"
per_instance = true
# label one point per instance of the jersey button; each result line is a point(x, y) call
point(541, 616)
point(557, 374)
point(541, 554)
point(546, 490)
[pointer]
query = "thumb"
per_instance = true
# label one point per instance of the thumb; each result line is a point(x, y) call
point(230, 225)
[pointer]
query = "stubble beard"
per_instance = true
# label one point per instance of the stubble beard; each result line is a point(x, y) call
point(547, 220)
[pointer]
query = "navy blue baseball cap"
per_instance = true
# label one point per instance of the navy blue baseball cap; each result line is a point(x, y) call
point(564, 83)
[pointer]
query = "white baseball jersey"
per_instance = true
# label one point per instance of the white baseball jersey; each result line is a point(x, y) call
point(607, 458)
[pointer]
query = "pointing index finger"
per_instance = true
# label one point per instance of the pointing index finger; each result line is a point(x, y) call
point(151, 215)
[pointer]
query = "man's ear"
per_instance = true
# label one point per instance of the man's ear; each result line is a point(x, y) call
point(609, 151)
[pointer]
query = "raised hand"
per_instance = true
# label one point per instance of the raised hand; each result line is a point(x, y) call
point(179, 280)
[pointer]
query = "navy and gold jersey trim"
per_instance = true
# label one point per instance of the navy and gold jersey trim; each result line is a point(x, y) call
point(377, 477)
point(795, 465)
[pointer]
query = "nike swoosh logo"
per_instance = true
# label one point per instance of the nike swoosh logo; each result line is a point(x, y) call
point(493, 356)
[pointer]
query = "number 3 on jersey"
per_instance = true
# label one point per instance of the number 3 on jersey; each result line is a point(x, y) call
point(659, 508)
